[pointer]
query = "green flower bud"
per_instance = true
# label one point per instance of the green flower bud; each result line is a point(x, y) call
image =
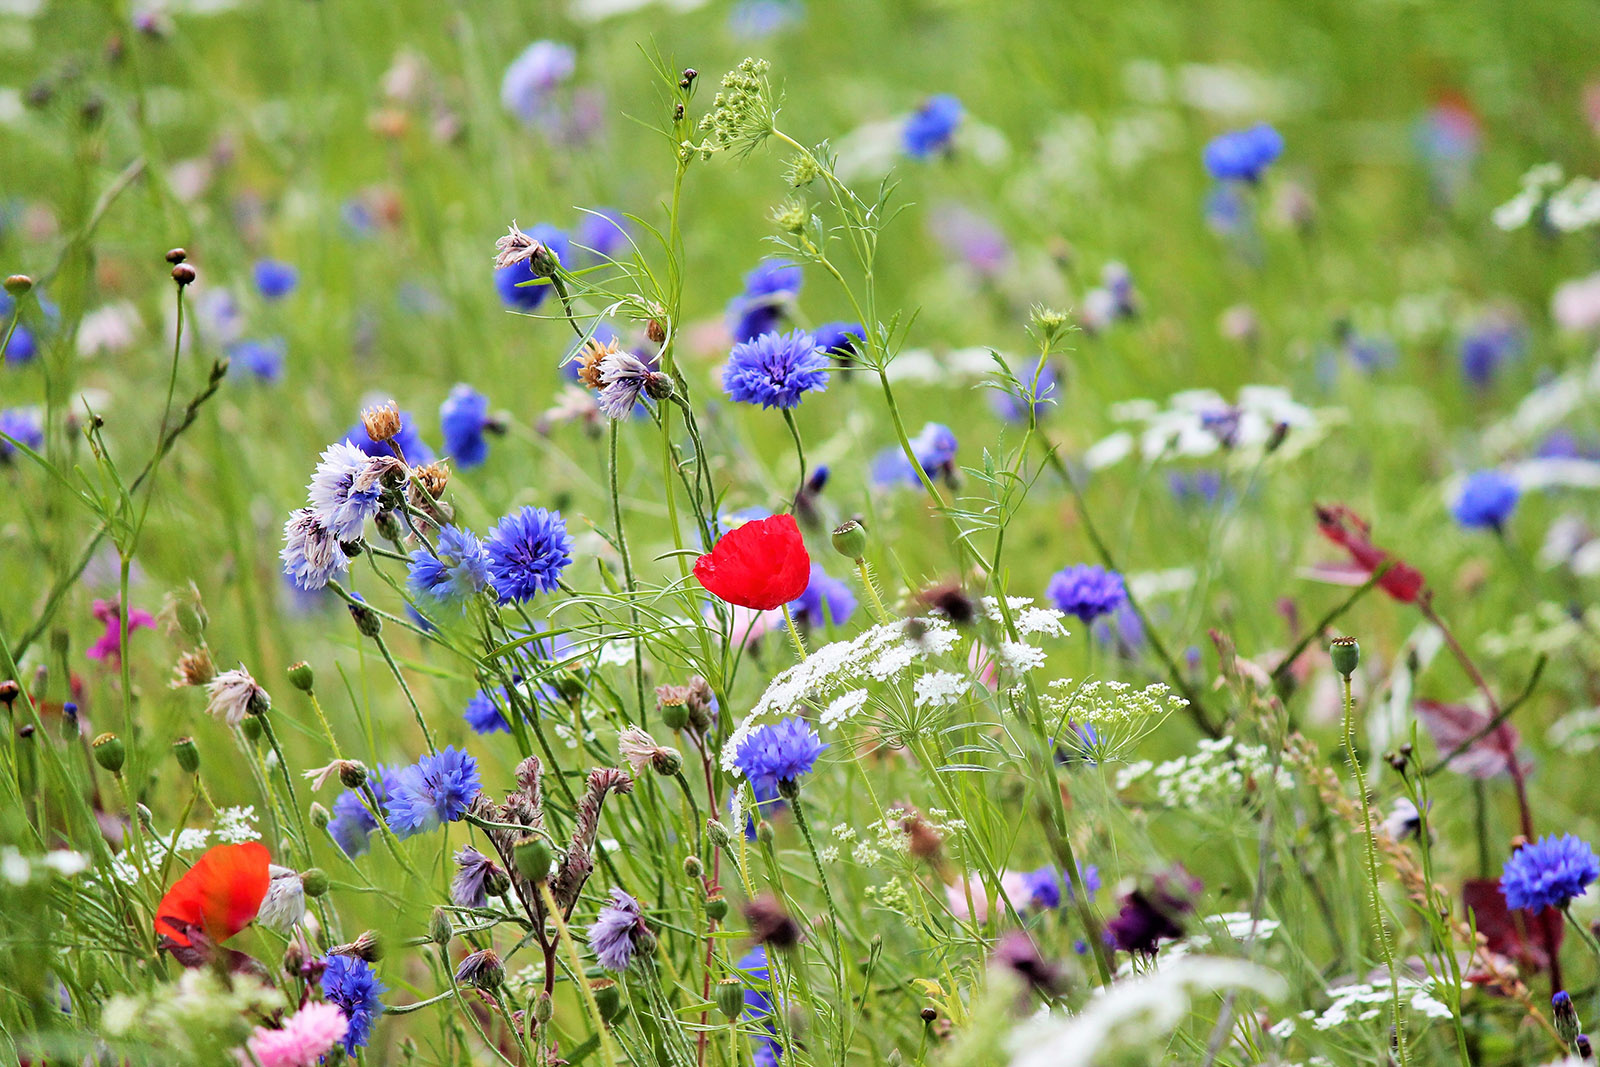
point(791, 216)
point(314, 880)
point(533, 857)
point(718, 834)
point(300, 676)
point(608, 998)
point(495, 880)
point(320, 818)
point(764, 832)
point(693, 868)
point(251, 728)
point(666, 762)
point(109, 752)
point(1346, 655)
point(716, 906)
point(674, 716)
point(352, 774)
point(730, 998)
point(1566, 1016)
point(368, 622)
point(388, 524)
point(187, 755)
point(850, 540)
point(440, 928)
point(544, 1009)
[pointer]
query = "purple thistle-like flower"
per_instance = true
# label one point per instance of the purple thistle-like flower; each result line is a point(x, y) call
point(778, 752)
point(274, 278)
point(769, 291)
point(434, 790)
point(1549, 873)
point(474, 874)
point(527, 551)
point(826, 601)
point(350, 983)
point(1486, 501)
point(463, 418)
point(483, 714)
point(616, 931)
point(311, 555)
point(1243, 155)
point(932, 127)
point(456, 570)
point(1086, 591)
point(624, 377)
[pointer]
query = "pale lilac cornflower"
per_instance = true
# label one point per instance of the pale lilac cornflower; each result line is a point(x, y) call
point(476, 874)
point(312, 555)
point(624, 377)
point(347, 486)
point(617, 931)
point(232, 695)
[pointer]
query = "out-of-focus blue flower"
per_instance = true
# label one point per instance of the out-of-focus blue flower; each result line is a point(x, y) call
point(775, 370)
point(434, 790)
point(1243, 155)
point(1227, 212)
point(511, 282)
point(463, 417)
point(752, 20)
point(1037, 378)
point(350, 982)
point(601, 234)
point(1086, 591)
point(263, 360)
point(532, 78)
point(1047, 888)
point(826, 601)
point(1199, 487)
point(528, 550)
point(1564, 444)
point(23, 348)
point(1549, 873)
point(1488, 348)
point(615, 930)
point(1486, 501)
point(456, 571)
point(483, 712)
point(22, 425)
point(969, 237)
point(408, 440)
point(1121, 630)
point(935, 448)
point(779, 751)
point(352, 824)
point(770, 290)
point(1448, 139)
point(841, 340)
point(357, 218)
point(932, 127)
point(758, 1003)
point(275, 279)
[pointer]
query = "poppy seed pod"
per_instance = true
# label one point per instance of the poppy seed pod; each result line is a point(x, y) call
point(1346, 655)
point(187, 755)
point(533, 857)
point(608, 998)
point(850, 540)
point(109, 752)
point(300, 676)
point(730, 998)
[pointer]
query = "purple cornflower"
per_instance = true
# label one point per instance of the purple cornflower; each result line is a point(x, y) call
point(1549, 873)
point(758, 1003)
point(527, 551)
point(274, 278)
point(345, 490)
point(601, 234)
point(350, 983)
point(1243, 155)
point(463, 418)
point(483, 713)
point(778, 752)
point(408, 441)
point(456, 570)
point(1086, 591)
point(533, 76)
point(23, 426)
point(352, 824)
point(1486, 501)
point(935, 448)
point(511, 282)
point(775, 370)
point(311, 554)
point(624, 377)
point(1487, 348)
point(969, 237)
point(434, 790)
point(770, 289)
point(1151, 916)
point(616, 931)
point(841, 340)
point(475, 873)
point(262, 359)
point(1045, 886)
point(932, 127)
point(1040, 380)
point(826, 601)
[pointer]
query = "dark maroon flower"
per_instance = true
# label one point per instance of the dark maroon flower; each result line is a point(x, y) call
point(1155, 914)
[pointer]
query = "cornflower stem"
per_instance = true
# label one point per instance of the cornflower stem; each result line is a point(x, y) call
point(394, 668)
point(578, 977)
point(841, 983)
point(800, 455)
point(864, 571)
point(627, 573)
point(1372, 869)
point(288, 782)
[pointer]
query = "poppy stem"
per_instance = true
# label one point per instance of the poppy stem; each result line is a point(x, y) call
point(794, 632)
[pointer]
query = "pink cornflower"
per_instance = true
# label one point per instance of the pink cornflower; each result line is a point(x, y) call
point(109, 612)
point(307, 1036)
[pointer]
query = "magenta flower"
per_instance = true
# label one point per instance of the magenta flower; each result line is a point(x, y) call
point(109, 647)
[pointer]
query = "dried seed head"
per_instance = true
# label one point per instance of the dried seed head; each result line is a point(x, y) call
point(194, 668)
point(434, 477)
point(382, 422)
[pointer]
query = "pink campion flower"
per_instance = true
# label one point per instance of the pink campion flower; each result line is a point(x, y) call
point(1013, 886)
point(306, 1036)
point(109, 612)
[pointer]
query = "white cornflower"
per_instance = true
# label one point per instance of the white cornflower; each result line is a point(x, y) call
point(233, 694)
point(284, 906)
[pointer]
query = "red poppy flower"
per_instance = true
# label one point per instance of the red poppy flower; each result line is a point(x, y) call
point(761, 565)
point(1348, 530)
point(219, 895)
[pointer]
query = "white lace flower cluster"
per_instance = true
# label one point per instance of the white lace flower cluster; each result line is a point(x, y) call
point(232, 826)
point(1199, 422)
point(1567, 208)
point(1364, 1002)
point(1221, 772)
point(1110, 717)
point(18, 869)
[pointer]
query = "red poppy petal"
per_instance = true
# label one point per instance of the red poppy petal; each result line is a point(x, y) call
point(761, 565)
point(221, 893)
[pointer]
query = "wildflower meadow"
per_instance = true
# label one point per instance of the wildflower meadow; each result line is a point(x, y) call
point(735, 533)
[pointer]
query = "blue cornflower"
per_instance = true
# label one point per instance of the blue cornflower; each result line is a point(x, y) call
point(841, 339)
point(1549, 873)
point(345, 491)
point(1121, 629)
point(615, 931)
point(463, 417)
point(350, 982)
point(1486, 501)
point(1045, 885)
point(23, 426)
point(262, 359)
point(275, 279)
point(533, 76)
point(1086, 591)
point(758, 1003)
point(1486, 349)
point(1039, 379)
point(510, 281)
point(769, 291)
point(1243, 155)
point(436, 789)
point(408, 440)
point(932, 127)
point(1226, 212)
point(1203, 486)
point(527, 551)
point(352, 823)
point(312, 556)
point(474, 872)
point(601, 234)
point(778, 752)
point(23, 347)
point(935, 448)
point(457, 569)
point(775, 370)
point(483, 712)
point(826, 601)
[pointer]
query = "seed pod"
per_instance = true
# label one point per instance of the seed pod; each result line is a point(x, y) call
point(1346, 655)
point(850, 540)
point(716, 906)
point(187, 755)
point(533, 858)
point(314, 880)
point(608, 998)
point(109, 752)
point(730, 998)
point(300, 676)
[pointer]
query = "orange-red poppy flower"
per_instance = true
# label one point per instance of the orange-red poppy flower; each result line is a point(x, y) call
point(1349, 531)
point(219, 895)
point(761, 565)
